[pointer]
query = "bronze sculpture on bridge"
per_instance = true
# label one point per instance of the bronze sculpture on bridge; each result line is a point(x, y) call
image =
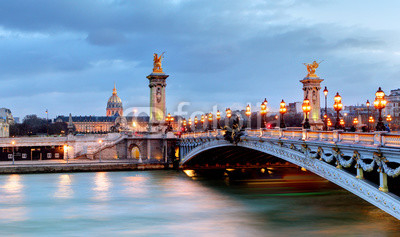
point(311, 68)
point(157, 63)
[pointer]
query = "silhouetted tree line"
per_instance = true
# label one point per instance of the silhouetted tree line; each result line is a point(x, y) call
point(33, 125)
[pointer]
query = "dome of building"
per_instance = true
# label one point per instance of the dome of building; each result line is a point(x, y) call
point(114, 105)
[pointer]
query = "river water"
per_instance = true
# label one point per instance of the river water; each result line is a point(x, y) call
point(169, 203)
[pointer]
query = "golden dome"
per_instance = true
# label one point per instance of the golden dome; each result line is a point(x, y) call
point(114, 101)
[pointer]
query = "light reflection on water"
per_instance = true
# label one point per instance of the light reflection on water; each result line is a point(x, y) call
point(64, 187)
point(10, 197)
point(170, 203)
point(102, 186)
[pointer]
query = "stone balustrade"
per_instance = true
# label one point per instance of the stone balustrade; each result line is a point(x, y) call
point(336, 136)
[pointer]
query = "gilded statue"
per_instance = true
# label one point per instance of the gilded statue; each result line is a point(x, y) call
point(311, 68)
point(157, 63)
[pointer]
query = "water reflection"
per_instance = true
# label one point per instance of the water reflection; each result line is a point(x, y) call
point(168, 203)
point(11, 197)
point(102, 186)
point(12, 189)
point(136, 186)
point(64, 187)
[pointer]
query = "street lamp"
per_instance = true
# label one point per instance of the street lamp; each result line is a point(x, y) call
point(228, 112)
point(66, 151)
point(329, 122)
point(263, 112)
point(210, 120)
point(169, 119)
point(100, 141)
point(282, 111)
point(368, 104)
point(13, 146)
point(248, 114)
point(195, 122)
point(202, 121)
point(379, 104)
point(326, 109)
point(190, 124)
point(184, 124)
point(389, 119)
point(371, 120)
point(338, 107)
point(218, 118)
point(342, 123)
point(306, 109)
point(355, 121)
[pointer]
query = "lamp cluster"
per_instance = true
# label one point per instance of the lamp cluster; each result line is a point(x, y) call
point(379, 104)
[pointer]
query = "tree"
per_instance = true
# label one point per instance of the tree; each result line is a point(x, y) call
point(33, 125)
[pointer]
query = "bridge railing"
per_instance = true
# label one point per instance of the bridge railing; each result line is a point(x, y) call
point(374, 138)
point(391, 140)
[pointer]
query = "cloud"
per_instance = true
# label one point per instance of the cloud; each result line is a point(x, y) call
point(216, 51)
point(105, 37)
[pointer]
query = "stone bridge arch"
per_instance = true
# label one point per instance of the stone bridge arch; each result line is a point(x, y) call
point(388, 202)
point(136, 150)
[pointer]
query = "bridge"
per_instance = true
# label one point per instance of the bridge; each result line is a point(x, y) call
point(366, 164)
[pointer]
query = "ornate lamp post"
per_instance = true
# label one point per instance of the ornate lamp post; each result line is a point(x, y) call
point(379, 104)
point(218, 118)
point(66, 151)
point(389, 119)
point(228, 112)
point(338, 107)
point(210, 120)
point(263, 112)
point(100, 141)
point(202, 120)
point(195, 122)
point(166, 120)
point(342, 123)
point(329, 123)
point(368, 104)
point(371, 120)
point(190, 124)
point(248, 114)
point(326, 109)
point(184, 124)
point(13, 146)
point(355, 121)
point(169, 119)
point(306, 109)
point(282, 111)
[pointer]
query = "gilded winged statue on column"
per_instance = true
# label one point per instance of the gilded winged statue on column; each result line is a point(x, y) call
point(311, 68)
point(157, 63)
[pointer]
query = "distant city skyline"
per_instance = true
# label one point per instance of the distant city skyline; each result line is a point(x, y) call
point(65, 56)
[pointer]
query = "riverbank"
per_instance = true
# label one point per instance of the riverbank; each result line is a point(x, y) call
point(61, 166)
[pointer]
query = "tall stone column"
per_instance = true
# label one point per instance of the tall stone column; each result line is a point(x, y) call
point(311, 88)
point(157, 84)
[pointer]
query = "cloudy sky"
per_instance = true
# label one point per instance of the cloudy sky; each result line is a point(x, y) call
point(65, 56)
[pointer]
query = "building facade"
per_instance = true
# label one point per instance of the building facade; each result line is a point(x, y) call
point(393, 108)
point(393, 103)
point(294, 108)
point(105, 124)
point(6, 119)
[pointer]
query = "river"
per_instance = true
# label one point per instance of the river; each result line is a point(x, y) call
point(169, 203)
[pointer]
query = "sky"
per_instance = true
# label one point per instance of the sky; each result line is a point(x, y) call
point(65, 56)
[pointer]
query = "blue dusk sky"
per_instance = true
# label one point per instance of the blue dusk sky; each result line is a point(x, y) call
point(65, 55)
